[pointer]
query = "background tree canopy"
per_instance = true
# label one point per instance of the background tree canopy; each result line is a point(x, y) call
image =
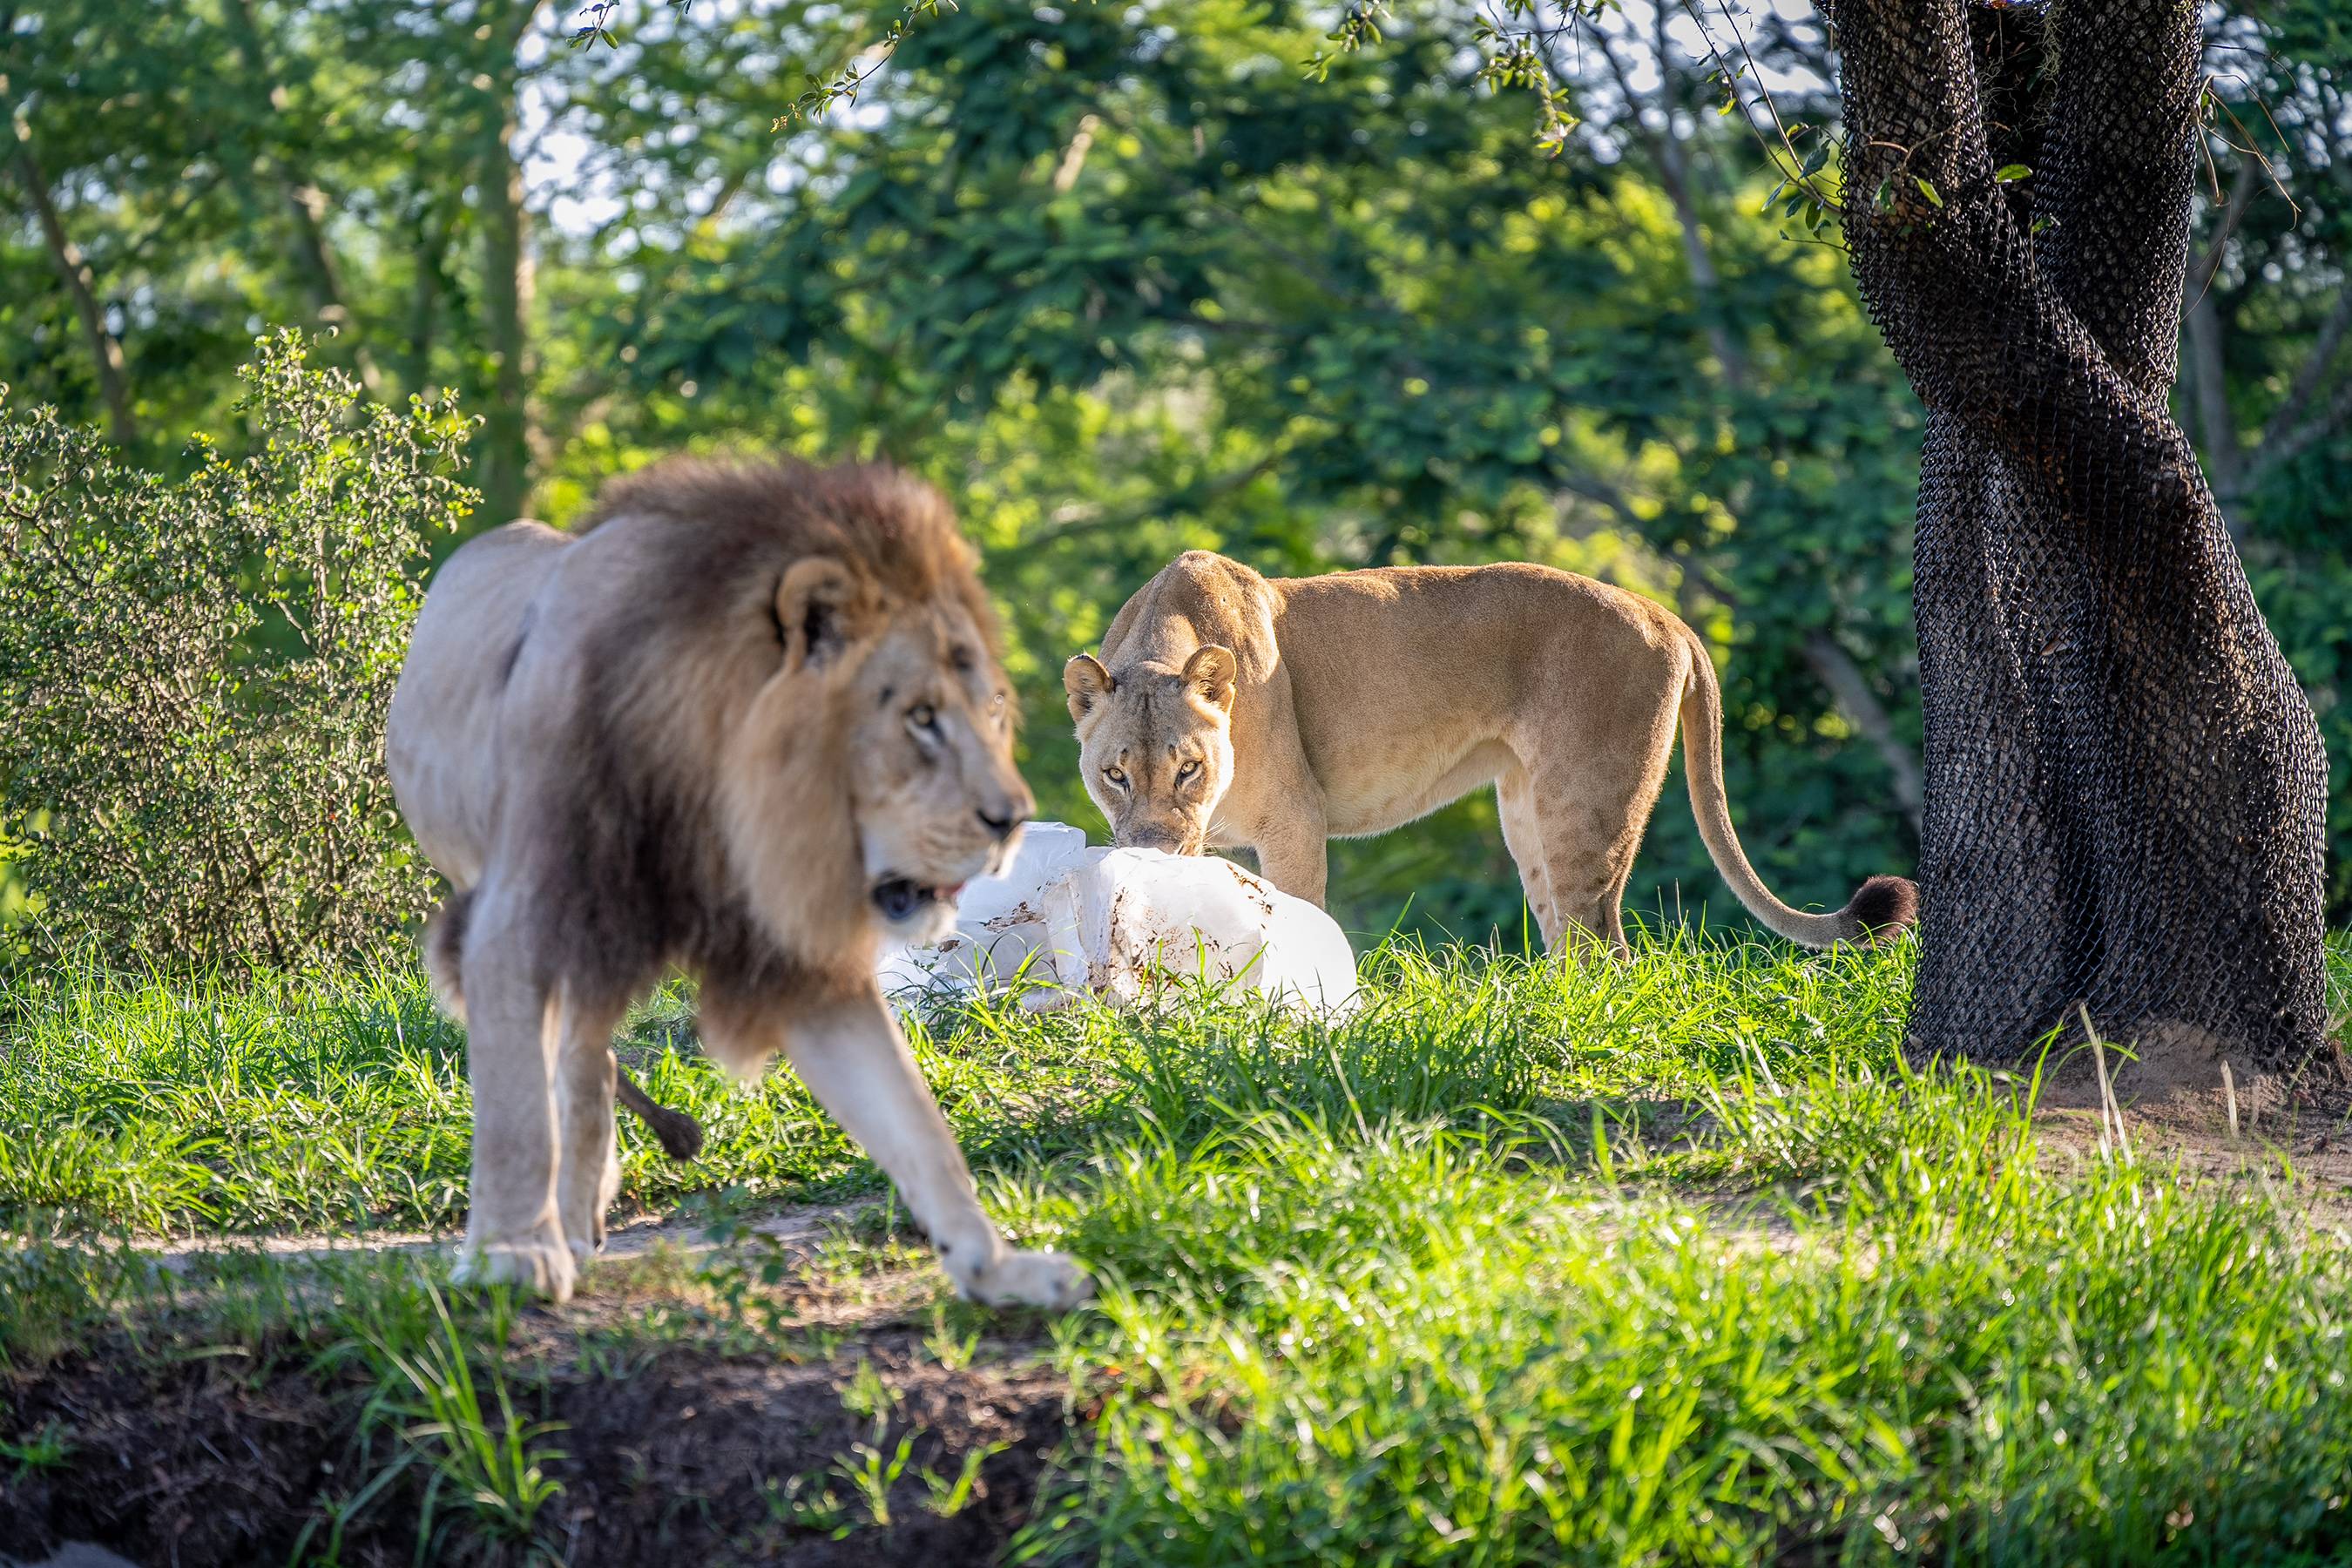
point(1127, 281)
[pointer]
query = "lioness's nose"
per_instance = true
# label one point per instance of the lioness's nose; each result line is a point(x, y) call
point(1000, 826)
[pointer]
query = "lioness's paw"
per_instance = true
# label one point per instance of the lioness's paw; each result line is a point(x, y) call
point(543, 1268)
point(1046, 1279)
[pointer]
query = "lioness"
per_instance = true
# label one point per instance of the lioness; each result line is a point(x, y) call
point(742, 720)
point(1234, 711)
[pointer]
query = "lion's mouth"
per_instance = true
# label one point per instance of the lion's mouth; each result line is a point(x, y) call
point(901, 898)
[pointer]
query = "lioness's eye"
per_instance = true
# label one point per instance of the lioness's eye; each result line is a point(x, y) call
point(1114, 775)
point(1187, 770)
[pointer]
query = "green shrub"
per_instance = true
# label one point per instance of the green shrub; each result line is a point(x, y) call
point(193, 673)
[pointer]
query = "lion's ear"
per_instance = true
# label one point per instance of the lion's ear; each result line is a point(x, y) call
point(821, 609)
point(1210, 673)
point(1084, 680)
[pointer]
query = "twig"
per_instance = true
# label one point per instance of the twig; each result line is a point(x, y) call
point(2108, 1106)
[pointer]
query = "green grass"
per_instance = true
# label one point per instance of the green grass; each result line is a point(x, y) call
point(298, 1102)
point(1669, 1262)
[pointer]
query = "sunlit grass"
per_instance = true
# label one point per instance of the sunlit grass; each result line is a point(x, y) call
point(339, 1100)
point(1408, 1347)
point(1671, 1261)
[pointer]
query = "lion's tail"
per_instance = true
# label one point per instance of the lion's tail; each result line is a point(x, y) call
point(444, 938)
point(1879, 908)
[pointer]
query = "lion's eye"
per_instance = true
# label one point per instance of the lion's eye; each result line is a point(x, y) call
point(924, 718)
point(1115, 776)
point(1187, 770)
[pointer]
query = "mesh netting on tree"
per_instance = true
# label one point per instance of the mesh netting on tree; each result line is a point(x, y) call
point(2125, 785)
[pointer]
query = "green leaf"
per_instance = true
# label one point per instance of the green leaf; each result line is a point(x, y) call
point(2010, 174)
point(1927, 190)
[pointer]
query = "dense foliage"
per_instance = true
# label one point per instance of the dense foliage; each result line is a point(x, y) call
point(1127, 280)
point(195, 673)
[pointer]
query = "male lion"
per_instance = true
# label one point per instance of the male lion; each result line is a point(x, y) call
point(746, 717)
point(1233, 712)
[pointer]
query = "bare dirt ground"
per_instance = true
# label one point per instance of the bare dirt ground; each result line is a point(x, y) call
point(213, 1462)
point(665, 1451)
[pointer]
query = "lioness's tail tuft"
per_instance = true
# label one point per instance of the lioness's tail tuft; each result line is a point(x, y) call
point(1883, 907)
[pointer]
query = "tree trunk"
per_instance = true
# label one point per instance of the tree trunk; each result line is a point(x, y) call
point(81, 287)
point(505, 466)
point(2124, 786)
point(305, 204)
point(1849, 690)
point(430, 239)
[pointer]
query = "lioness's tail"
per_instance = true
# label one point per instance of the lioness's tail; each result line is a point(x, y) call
point(1879, 908)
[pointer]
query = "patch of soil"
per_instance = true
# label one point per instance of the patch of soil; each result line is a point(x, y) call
point(196, 1462)
point(688, 1459)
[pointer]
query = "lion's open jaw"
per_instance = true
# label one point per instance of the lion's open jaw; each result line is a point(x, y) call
point(901, 899)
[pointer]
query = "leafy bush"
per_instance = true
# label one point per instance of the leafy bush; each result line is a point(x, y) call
point(193, 673)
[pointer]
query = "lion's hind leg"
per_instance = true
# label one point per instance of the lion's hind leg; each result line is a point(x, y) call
point(589, 1177)
point(514, 1231)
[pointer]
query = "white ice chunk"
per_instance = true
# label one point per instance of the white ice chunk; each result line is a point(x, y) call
point(1067, 921)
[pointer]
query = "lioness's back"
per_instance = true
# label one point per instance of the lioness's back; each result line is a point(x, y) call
point(1463, 629)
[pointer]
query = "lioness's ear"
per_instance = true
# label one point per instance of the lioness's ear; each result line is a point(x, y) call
point(820, 610)
point(1085, 681)
point(1209, 674)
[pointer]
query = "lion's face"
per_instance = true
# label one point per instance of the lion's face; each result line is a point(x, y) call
point(1155, 746)
point(872, 774)
point(933, 788)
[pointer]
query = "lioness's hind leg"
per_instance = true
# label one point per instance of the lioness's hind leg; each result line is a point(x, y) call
point(1591, 803)
point(1514, 803)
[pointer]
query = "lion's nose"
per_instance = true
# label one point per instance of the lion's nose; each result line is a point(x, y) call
point(999, 826)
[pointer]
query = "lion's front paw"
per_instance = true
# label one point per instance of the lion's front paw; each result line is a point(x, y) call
point(1047, 1279)
point(543, 1268)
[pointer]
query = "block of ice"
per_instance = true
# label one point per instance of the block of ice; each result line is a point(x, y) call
point(1067, 921)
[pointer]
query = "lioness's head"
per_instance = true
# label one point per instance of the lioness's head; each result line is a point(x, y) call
point(1155, 745)
point(824, 633)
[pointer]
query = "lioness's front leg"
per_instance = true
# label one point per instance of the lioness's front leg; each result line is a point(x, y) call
point(1293, 854)
point(854, 1060)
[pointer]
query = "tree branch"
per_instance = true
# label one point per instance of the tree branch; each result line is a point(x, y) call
point(2207, 390)
point(2293, 426)
point(1849, 690)
point(1086, 518)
